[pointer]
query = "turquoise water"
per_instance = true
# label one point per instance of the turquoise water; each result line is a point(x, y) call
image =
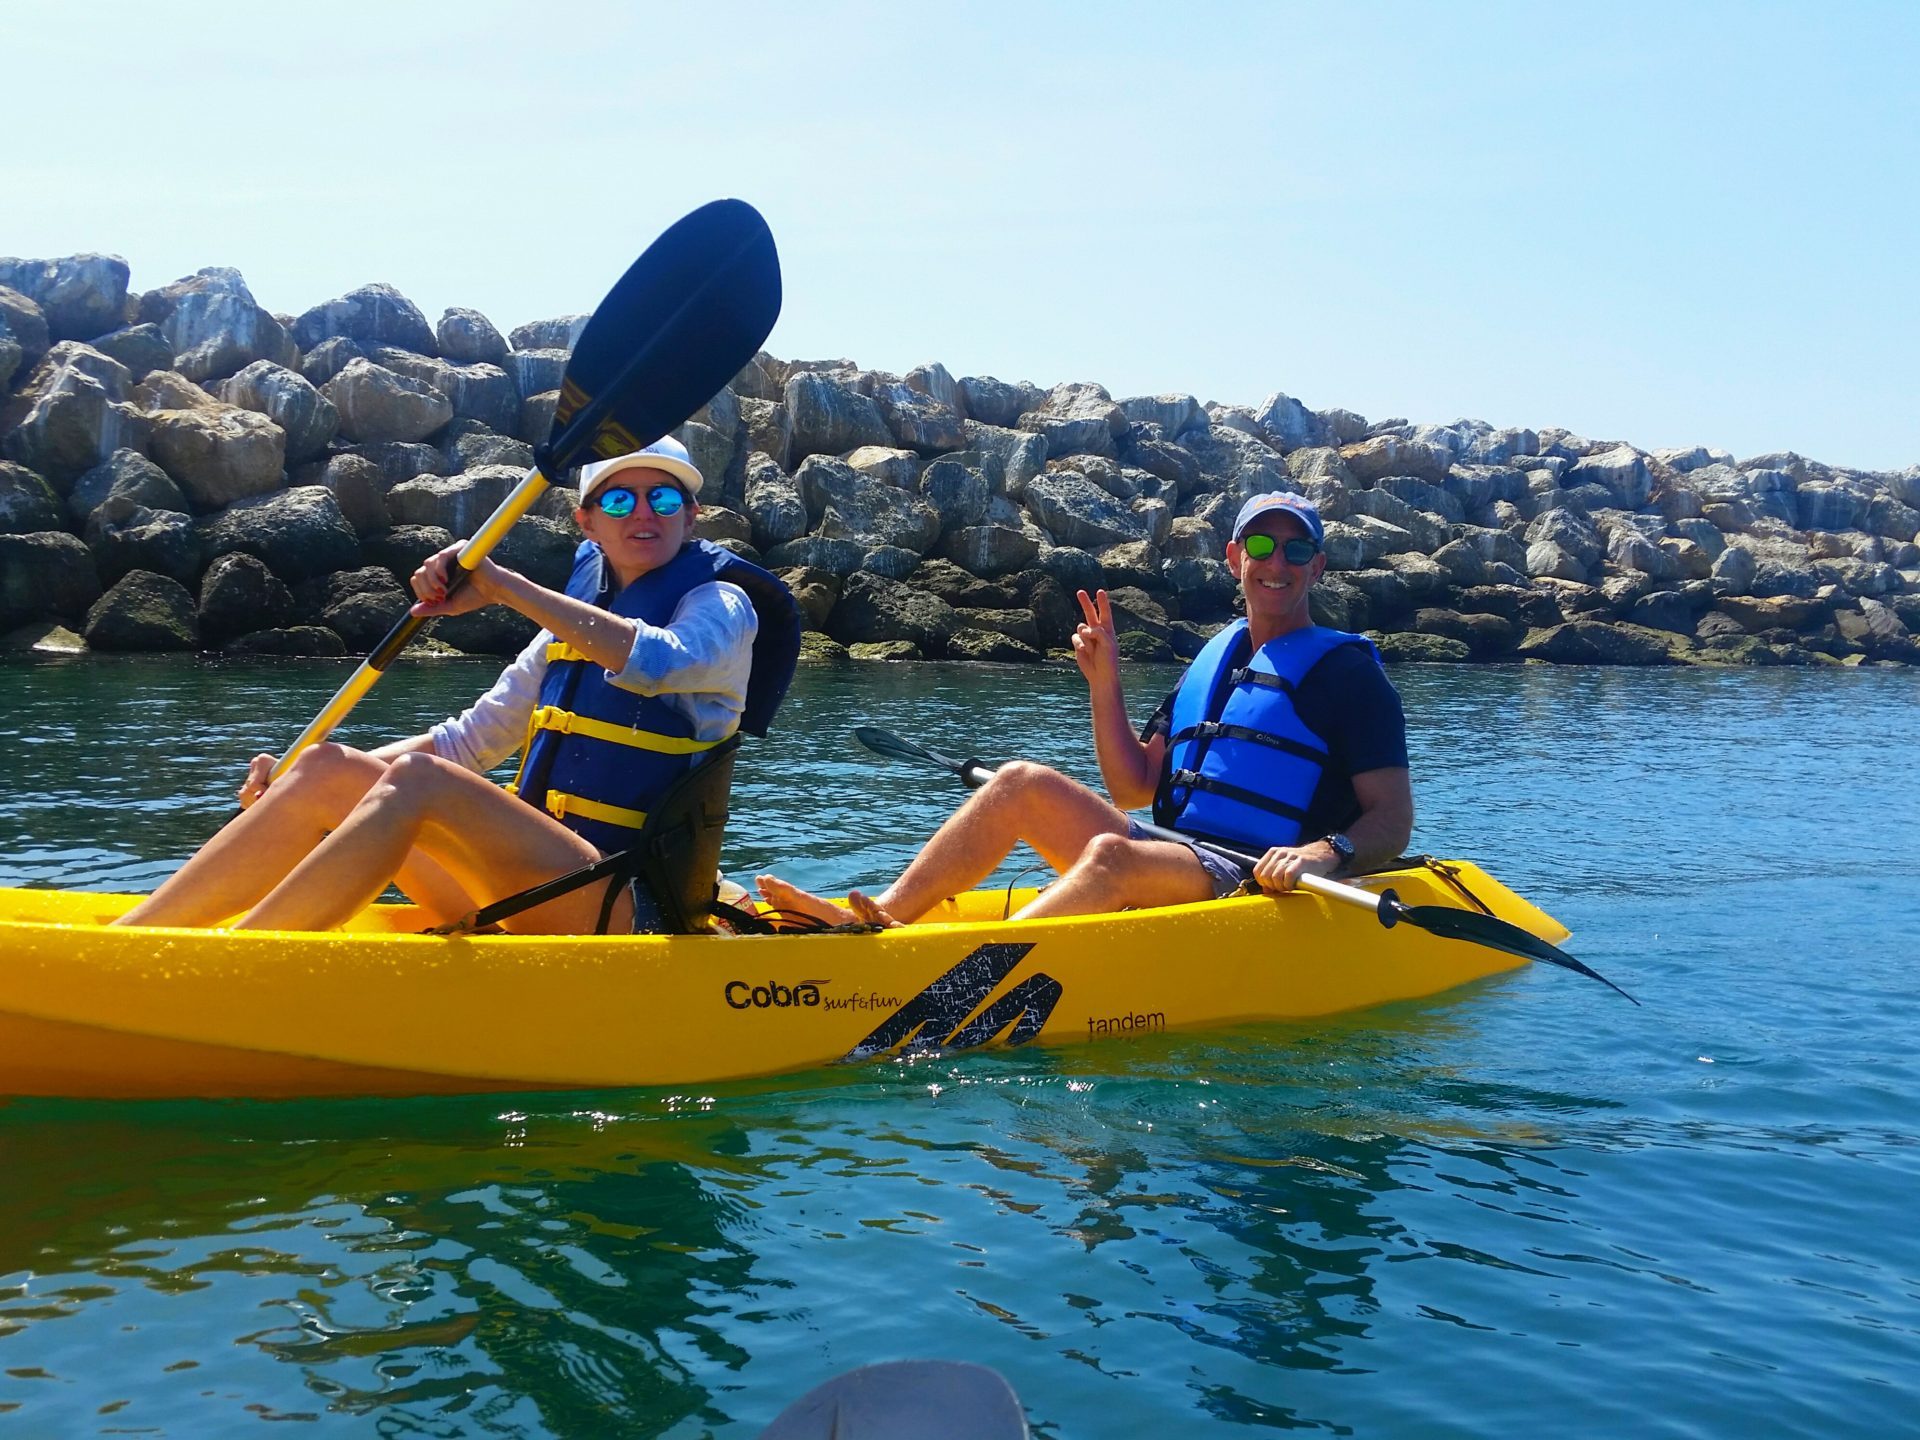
point(1524, 1205)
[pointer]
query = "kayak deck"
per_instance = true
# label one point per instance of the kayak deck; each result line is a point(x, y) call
point(92, 1010)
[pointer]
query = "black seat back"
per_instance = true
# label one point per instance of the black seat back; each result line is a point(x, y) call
point(676, 860)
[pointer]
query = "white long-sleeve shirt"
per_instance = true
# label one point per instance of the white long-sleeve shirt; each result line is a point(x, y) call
point(698, 663)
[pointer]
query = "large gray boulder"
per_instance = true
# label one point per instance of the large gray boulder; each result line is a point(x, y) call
point(918, 421)
point(299, 533)
point(1622, 470)
point(290, 400)
point(1384, 455)
point(70, 416)
point(1079, 513)
point(376, 404)
point(124, 474)
point(831, 417)
point(958, 493)
point(1832, 505)
point(997, 402)
point(239, 595)
point(141, 348)
point(358, 490)
point(1173, 414)
point(47, 574)
point(1288, 424)
point(1572, 531)
point(81, 296)
point(872, 608)
point(23, 321)
point(125, 537)
point(1428, 531)
point(329, 358)
point(774, 507)
point(827, 554)
point(990, 550)
point(467, 337)
point(456, 503)
point(768, 430)
point(1077, 419)
point(559, 333)
point(1591, 642)
point(144, 611)
point(214, 325)
point(535, 372)
point(27, 502)
point(846, 505)
point(372, 315)
point(1008, 458)
point(1549, 559)
point(468, 443)
point(1360, 541)
point(1237, 462)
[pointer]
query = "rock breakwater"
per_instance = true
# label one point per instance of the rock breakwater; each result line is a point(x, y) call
point(180, 469)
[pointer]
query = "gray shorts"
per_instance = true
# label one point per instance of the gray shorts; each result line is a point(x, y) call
point(1227, 875)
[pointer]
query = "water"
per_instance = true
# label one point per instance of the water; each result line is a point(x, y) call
point(1519, 1205)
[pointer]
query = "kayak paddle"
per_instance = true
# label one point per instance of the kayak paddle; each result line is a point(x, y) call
point(1468, 925)
point(681, 323)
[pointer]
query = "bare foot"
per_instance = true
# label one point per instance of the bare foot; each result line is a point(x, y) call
point(782, 896)
point(869, 913)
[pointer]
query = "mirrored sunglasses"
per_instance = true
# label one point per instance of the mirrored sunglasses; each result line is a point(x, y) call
point(1297, 551)
point(618, 500)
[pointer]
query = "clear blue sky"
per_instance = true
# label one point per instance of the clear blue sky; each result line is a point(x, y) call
point(1668, 223)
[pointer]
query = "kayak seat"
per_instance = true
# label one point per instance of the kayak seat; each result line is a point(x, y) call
point(675, 864)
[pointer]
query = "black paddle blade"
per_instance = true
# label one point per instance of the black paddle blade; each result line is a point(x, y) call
point(885, 742)
point(1497, 934)
point(683, 320)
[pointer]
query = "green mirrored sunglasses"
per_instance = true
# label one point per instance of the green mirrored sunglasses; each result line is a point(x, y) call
point(1297, 551)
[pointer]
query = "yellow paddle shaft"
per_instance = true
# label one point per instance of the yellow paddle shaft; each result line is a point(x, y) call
point(374, 666)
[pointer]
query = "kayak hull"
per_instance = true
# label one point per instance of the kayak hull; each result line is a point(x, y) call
point(93, 1010)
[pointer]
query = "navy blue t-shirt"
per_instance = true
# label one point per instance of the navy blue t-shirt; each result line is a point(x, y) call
point(1349, 703)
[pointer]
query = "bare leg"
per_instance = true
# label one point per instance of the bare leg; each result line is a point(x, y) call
point(1022, 802)
point(258, 848)
point(1114, 873)
point(489, 842)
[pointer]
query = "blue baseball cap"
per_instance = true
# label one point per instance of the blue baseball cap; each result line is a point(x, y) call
point(1293, 504)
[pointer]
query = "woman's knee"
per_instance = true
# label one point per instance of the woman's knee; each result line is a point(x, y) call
point(415, 774)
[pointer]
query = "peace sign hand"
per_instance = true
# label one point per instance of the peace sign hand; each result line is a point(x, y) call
point(1095, 648)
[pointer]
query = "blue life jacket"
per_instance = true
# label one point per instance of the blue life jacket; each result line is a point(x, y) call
point(1241, 766)
point(599, 757)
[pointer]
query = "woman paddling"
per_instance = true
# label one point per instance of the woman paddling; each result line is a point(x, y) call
point(660, 649)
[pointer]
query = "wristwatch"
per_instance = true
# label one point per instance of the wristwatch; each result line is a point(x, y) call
point(1341, 846)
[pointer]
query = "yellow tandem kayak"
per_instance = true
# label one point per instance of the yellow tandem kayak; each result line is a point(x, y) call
point(87, 1009)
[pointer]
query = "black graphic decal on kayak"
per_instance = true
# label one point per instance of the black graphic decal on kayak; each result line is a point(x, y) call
point(936, 1018)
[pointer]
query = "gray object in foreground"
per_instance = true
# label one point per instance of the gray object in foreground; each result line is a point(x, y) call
point(905, 1400)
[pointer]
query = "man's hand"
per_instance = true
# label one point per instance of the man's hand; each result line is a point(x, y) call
point(1280, 869)
point(431, 581)
point(1095, 649)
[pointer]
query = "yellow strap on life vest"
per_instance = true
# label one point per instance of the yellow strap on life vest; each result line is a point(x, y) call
point(552, 717)
point(560, 805)
point(560, 650)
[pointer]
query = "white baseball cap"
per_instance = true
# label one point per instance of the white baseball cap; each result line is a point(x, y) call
point(666, 454)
